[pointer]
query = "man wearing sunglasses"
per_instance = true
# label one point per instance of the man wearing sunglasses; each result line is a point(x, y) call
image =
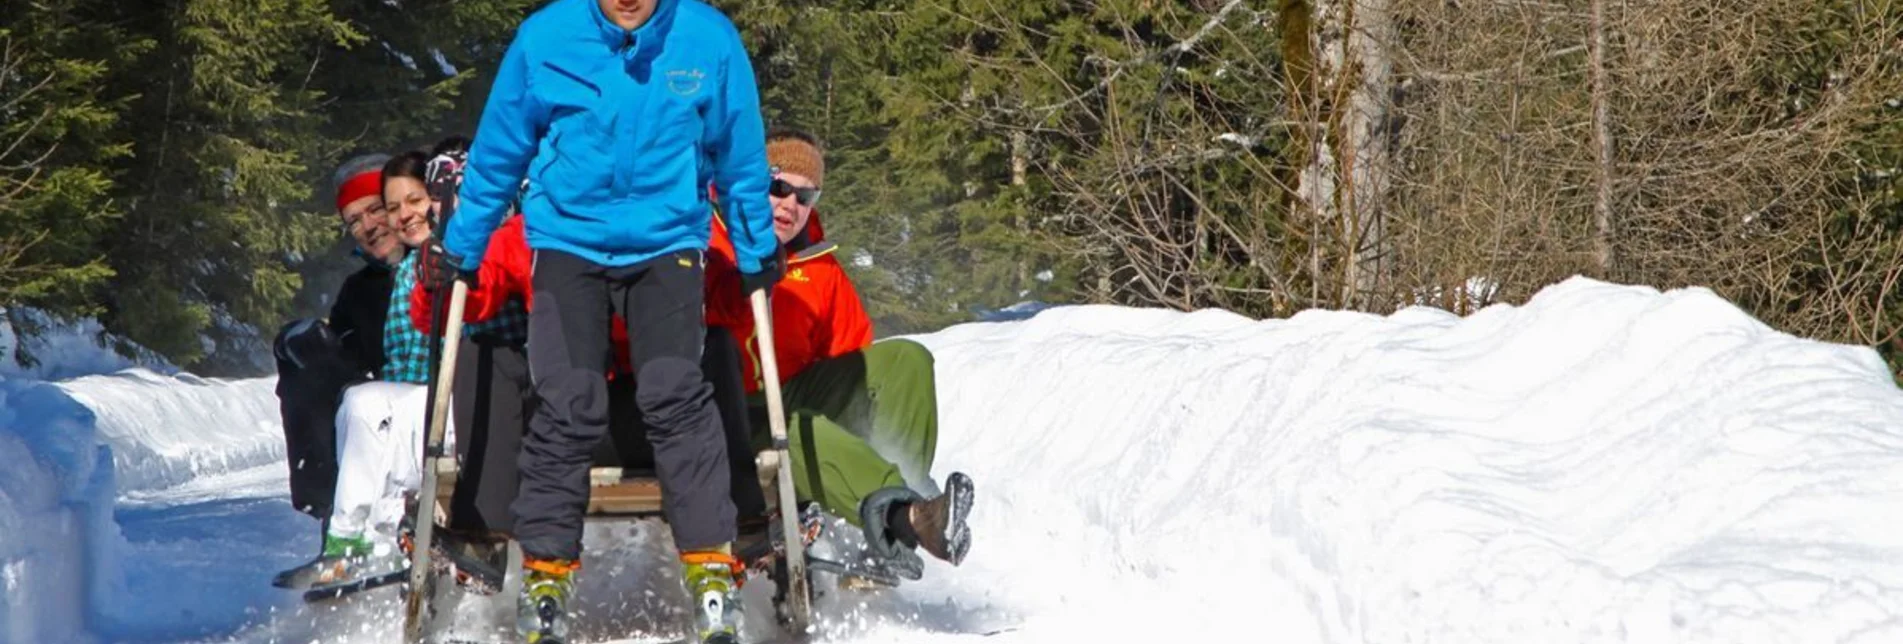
point(862, 416)
point(620, 112)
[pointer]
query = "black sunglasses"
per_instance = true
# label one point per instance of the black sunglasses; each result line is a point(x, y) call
point(807, 196)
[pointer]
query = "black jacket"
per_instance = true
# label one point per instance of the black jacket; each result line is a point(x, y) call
point(357, 318)
point(316, 361)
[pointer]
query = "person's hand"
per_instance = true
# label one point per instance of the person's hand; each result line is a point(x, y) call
point(437, 268)
point(307, 344)
point(771, 270)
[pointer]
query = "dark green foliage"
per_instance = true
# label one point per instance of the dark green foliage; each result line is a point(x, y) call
point(61, 135)
point(172, 173)
point(164, 166)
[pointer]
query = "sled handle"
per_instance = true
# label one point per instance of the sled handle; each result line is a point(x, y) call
point(424, 522)
point(799, 605)
point(446, 371)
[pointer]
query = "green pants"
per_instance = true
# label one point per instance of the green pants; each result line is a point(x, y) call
point(857, 423)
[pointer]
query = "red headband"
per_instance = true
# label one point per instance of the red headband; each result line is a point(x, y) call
point(365, 184)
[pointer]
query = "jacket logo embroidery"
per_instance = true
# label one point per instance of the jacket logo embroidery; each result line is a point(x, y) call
point(798, 275)
point(685, 82)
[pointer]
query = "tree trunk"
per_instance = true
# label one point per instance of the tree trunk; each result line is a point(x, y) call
point(1020, 174)
point(1343, 85)
point(1601, 143)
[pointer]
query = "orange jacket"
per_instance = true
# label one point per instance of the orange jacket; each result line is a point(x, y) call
point(816, 314)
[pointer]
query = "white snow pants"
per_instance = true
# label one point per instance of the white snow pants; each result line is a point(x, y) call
point(380, 435)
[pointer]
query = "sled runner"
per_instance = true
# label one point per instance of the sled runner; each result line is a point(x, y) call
point(615, 493)
point(618, 493)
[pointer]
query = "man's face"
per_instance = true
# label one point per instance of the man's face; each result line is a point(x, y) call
point(628, 14)
point(364, 220)
point(789, 215)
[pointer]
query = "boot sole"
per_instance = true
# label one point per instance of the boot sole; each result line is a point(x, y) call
point(957, 534)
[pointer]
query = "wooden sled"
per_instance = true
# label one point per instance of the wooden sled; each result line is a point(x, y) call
point(616, 492)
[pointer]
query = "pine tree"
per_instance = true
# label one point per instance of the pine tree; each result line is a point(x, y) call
point(215, 194)
point(422, 73)
point(59, 134)
point(194, 133)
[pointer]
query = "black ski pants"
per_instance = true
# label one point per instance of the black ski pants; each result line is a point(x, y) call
point(491, 404)
point(311, 380)
point(569, 358)
point(494, 400)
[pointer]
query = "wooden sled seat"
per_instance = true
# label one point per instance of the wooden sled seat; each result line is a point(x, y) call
point(614, 491)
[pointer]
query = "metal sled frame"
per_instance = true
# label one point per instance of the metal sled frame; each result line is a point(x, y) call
point(614, 493)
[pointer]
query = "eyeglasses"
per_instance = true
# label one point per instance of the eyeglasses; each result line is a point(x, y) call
point(351, 226)
point(807, 196)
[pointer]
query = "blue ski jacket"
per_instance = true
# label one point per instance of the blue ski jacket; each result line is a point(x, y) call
point(619, 133)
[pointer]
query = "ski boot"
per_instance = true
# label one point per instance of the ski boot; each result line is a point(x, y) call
point(713, 579)
point(541, 612)
point(344, 559)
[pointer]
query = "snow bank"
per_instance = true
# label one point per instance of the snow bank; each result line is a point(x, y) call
point(1602, 464)
point(1021, 311)
point(72, 448)
point(65, 349)
point(57, 539)
point(168, 430)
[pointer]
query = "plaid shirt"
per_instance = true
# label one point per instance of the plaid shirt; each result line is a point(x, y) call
point(511, 326)
point(406, 349)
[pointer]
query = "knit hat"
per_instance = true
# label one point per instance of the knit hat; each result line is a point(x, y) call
point(796, 152)
point(358, 178)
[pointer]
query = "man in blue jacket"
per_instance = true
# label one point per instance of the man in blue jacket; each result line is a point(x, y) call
point(620, 113)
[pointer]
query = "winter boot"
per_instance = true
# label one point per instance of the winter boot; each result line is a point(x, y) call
point(541, 612)
point(898, 520)
point(713, 579)
point(938, 524)
point(344, 559)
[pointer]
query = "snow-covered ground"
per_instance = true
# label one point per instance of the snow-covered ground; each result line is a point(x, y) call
point(1601, 464)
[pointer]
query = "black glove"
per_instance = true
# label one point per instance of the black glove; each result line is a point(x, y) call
point(437, 268)
point(771, 270)
point(306, 344)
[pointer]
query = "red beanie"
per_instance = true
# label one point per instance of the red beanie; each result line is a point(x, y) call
point(368, 183)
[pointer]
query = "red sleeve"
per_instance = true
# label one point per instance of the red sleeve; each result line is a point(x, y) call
point(618, 340)
point(726, 306)
point(503, 274)
point(847, 327)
